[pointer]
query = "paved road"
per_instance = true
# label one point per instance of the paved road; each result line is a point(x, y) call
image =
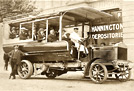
point(72, 81)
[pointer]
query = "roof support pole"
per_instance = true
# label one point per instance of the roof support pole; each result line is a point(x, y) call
point(20, 29)
point(46, 30)
point(33, 30)
point(60, 28)
point(83, 23)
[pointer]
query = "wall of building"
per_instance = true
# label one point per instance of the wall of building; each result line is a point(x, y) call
point(1, 50)
point(1, 34)
point(49, 4)
point(106, 4)
point(128, 29)
point(97, 4)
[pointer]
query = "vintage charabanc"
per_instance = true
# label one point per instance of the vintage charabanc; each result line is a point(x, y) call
point(54, 58)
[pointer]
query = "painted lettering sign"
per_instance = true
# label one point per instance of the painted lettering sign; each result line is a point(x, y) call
point(107, 31)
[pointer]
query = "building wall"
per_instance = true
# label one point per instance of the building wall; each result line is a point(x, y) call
point(49, 4)
point(128, 29)
point(1, 34)
point(97, 4)
point(106, 4)
point(1, 50)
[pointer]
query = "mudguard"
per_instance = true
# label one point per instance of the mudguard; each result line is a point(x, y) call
point(86, 71)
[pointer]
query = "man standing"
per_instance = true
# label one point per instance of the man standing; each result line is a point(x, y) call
point(15, 60)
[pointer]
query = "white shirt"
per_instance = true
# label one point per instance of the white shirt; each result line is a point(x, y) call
point(75, 38)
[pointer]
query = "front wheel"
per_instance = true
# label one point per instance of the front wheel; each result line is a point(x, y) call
point(25, 70)
point(98, 72)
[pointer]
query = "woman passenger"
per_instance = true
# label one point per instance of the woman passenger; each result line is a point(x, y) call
point(41, 35)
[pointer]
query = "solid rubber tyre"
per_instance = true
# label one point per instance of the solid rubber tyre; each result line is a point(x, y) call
point(25, 70)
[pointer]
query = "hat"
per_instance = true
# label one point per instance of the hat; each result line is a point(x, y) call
point(76, 28)
point(23, 28)
point(89, 33)
point(64, 30)
point(41, 29)
point(16, 46)
point(13, 28)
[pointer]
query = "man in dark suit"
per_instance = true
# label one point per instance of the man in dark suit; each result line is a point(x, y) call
point(52, 36)
point(15, 60)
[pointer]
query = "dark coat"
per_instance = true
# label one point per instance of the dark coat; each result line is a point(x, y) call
point(41, 37)
point(23, 35)
point(12, 36)
point(16, 55)
point(52, 38)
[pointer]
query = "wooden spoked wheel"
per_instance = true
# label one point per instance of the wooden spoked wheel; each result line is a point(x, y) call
point(98, 72)
point(25, 70)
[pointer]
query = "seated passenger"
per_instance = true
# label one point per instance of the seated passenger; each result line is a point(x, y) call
point(30, 34)
point(24, 33)
point(102, 44)
point(52, 36)
point(64, 36)
point(13, 34)
point(67, 38)
point(41, 35)
point(34, 33)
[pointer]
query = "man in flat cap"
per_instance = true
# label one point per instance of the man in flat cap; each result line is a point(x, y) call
point(15, 60)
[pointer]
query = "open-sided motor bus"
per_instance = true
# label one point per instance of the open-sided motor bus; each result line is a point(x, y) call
point(53, 58)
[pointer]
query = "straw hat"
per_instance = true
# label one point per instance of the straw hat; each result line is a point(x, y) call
point(23, 28)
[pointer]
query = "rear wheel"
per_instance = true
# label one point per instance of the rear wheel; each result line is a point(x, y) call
point(25, 70)
point(98, 72)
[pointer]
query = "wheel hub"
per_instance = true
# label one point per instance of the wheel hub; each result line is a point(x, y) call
point(23, 69)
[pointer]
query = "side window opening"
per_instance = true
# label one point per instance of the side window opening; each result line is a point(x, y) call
point(25, 31)
point(37, 30)
point(41, 34)
point(53, 30)
point(14, 31)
